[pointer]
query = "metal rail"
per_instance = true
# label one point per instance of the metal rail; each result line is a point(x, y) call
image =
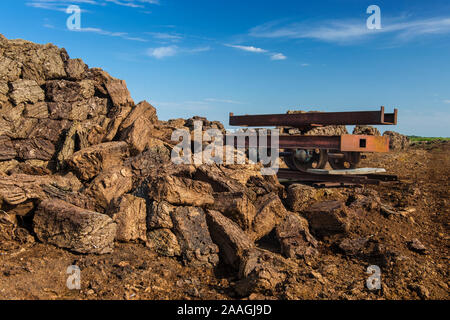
point(328, 179)
point(316, 118)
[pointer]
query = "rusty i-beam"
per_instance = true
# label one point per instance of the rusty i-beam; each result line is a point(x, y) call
point(316, 118)
point(344, 143)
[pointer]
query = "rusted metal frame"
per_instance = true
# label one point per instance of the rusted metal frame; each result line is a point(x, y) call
point(293, 142)
point(344, 143)
point(316, 118)
point(309, 142)
point(383, 177)
point(334, 184)
point(311, 177)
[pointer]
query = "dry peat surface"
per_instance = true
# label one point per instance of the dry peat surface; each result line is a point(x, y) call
point(86, 180)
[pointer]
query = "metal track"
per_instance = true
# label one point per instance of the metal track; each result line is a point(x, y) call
point(334, 180)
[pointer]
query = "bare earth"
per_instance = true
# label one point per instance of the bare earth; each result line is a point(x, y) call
point(32, 270)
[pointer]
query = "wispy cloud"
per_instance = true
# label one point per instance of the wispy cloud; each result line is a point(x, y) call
point(305, 65)
point(198, 49)
point(447, 101)
point(273, 55)
point(170, 51)
point(165, 36)
point(123, 35)
point(278, 56)
point(55, 5)
point(162, 52)
point(133, 3)
point(352, 30)
point(247, 48)
point(61, 5)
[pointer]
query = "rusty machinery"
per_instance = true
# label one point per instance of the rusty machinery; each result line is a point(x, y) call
point(301, 152)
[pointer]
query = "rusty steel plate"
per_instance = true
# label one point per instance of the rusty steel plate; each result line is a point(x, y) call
point(362, 143)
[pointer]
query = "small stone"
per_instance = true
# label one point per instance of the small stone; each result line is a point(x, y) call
point(421, 291)
point(417, 246)
point(164, 242)
point(328, 217)
point(352, 246)
point(159, 215)
point(300, 196)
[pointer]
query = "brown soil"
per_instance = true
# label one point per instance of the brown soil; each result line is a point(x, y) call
point(32, 270)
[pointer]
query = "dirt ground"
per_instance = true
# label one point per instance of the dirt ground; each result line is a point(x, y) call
point(31, 270)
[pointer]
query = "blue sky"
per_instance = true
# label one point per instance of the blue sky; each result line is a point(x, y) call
point(212, 57)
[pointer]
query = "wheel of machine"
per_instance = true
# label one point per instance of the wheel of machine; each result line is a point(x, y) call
point(350, 161)
point(288, 161)
point(302, 159)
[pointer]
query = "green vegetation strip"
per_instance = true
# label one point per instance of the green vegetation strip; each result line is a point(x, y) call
point(416, 138)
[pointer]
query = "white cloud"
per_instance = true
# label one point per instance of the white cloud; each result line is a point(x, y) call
point(126, 3)
point(247, 48)
point(278, 56)
point(133, 3)
point(162, 52)
point(61, 5)
point(123, 35)
point(197, 50)
point(170, 51)
point(165, 36)
point(149, 1)
point(352, 30)
point(305, 64)
point(447, 101)
point(273, 55)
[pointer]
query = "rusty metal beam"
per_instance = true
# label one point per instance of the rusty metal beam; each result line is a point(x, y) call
point(309, 142)
point(344, 143)
point(311, 177)
point(316, 118)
